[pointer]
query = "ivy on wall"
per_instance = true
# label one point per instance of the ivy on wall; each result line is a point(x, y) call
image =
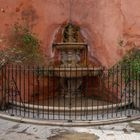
point(24, 47)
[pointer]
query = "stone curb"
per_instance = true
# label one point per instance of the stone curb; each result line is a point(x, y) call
point(68, 124)
point(51, 108)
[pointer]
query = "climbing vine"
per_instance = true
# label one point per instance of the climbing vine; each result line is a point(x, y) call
point(24, 47)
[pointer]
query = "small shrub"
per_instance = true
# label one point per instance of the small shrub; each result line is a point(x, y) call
point(128, 68)
point(24, 47)
point(132, 65)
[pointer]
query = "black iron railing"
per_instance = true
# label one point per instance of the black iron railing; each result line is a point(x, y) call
point(67, 93)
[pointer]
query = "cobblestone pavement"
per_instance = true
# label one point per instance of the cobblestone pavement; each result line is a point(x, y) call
point(21, 131)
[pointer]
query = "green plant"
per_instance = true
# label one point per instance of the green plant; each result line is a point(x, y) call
point(128, 68)
point(25, 44)
point(131, 64)
point(25, 37)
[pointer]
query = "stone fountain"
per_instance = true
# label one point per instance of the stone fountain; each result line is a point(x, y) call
point(73, 61)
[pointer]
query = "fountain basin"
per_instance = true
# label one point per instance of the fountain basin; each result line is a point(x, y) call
point(76, 72)
point(70, 46)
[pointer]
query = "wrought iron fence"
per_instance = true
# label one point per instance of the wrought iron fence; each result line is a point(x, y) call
point(69, 93)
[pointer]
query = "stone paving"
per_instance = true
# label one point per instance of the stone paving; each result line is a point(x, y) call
point(22, 131)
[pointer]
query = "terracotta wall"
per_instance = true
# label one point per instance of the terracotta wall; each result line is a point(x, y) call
point(110, 27)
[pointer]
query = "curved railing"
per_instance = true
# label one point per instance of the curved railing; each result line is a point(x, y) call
point(76, 94)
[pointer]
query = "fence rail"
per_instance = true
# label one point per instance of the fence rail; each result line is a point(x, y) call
point(67, 93)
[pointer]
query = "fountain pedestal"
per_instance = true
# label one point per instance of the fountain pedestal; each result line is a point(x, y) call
point(71, 87)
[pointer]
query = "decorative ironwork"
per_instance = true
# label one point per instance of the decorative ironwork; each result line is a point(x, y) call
point(105, 93)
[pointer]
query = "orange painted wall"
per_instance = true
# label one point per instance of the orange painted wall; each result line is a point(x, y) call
point(104, 24)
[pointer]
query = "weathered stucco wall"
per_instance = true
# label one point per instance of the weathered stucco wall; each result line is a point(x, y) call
point(110, 27)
